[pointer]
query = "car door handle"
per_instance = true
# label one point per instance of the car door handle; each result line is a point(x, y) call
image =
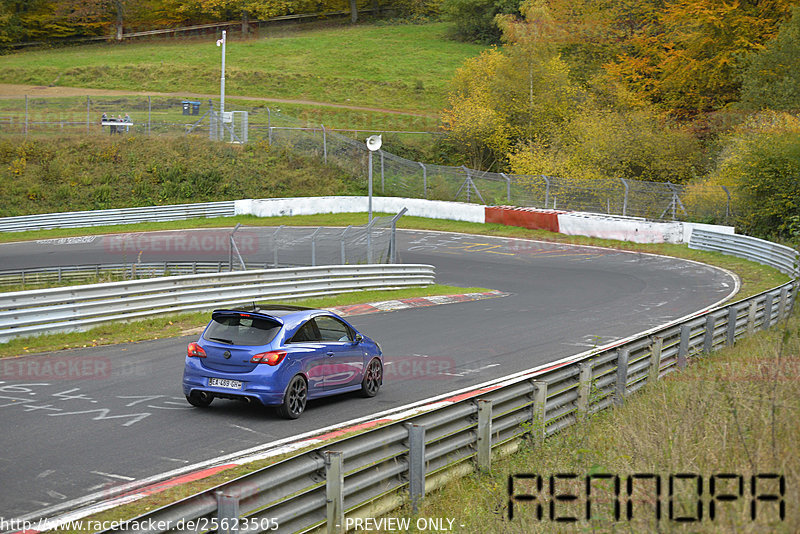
point(330, 353)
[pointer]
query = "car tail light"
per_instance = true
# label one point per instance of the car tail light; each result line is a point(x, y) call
point(273, 357)
point(195, 351)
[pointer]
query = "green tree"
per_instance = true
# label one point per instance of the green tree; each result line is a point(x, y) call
point(474, 20)
point(771, 78)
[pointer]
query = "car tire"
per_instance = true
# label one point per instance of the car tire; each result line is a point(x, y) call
point(373, 378)
point(199, 399)
point(295, 398)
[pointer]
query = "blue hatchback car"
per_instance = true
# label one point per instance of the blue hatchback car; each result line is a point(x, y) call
point(280, 356)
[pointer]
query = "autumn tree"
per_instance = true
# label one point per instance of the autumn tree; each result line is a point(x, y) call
point(520, 93)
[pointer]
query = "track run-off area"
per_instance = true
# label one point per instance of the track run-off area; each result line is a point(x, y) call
point(123, 419)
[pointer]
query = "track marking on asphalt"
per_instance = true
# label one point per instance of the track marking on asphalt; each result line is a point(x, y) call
point(470, 371)
point(45, 473)
point(111, 475)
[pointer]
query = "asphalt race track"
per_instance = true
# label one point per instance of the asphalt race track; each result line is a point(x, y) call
point(125, 418)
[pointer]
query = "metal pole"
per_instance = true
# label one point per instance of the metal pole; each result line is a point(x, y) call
point(547, 192)
point(369, 187)
point(344, 254)
point(584, 388)
point(539, 422)
point(87, 114)
point(26, 116)
point(508, 187)
point(269, 127)
point(149, 113)
point(416, 465)
point(227, 513)
point(222, 86)
point(324, 145)
point(334, 490)
point(424, 180)
point(383, 190)
point(484, 455)
point(622, 376)
point(625, 201)
point(655, 359)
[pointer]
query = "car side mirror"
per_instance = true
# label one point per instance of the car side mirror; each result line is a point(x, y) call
point(359, 338)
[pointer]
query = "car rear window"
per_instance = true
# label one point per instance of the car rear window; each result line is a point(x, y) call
point(241, 330)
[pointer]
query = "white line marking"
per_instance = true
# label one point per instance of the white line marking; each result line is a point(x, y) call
point(111, 475)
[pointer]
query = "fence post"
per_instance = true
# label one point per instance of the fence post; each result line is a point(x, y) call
point(766, 322)
point(314, 246)
point(334, 486)
point(731, 326)
point(584, 388)
point(424, 180)
point(393, 242)
point(227, 513)
point(26, 116)
point(344, 255)
point(683, 348)
point(383, 191)
point(728, 205)
point(484, 455)
point(708, 339)
point(149, 113)
point(782, 303)
point(324, 145)
point(88, 108)
point(269, 127)
point(508, 187)
point(547, 192)
point(655, 359)
point(275, 246)
point(751, 317)
point(622, 376)
point(416, 464)
point(369, 241)
point(625, 200)
point(539, 423)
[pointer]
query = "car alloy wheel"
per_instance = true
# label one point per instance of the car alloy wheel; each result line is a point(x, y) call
point(294, 402)
point(372, 379)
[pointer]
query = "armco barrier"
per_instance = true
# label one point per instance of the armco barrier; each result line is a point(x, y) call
point(25, 313)
point(785, 259)
point(379, 469)
point(82, 219)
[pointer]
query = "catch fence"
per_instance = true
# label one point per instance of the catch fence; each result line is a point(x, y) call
point(252, 122)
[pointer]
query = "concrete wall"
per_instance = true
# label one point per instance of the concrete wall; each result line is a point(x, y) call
point(433, 209)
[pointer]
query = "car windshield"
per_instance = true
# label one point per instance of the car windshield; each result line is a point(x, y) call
point(241, 330)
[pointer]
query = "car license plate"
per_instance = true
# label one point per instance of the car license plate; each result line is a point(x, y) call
point(224, 383)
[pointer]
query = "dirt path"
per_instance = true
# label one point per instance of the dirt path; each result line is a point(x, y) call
point(19, 91)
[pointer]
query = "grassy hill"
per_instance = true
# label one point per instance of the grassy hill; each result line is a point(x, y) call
point(71, 173)
point(400, 67)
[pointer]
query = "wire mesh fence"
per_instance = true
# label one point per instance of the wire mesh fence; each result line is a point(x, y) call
point(253, 122)
point(289, 246)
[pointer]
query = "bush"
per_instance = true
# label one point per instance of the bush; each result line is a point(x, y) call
point(760, 163)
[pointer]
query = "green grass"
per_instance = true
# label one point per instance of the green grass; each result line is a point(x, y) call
point(173, 325)
point(67, 174)
point(734, 411)
point(404, 67)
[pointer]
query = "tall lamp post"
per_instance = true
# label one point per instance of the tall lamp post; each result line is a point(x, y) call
point(221, 42)
point(373, 143)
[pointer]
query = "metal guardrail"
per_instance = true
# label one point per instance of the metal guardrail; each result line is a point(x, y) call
point(120, 271)
point(24, 313)
point(377, 470)
point(81, 219)
point(783, 258)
